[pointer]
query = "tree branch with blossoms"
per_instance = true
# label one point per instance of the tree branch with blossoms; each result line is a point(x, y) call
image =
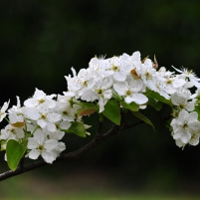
point(109, 87)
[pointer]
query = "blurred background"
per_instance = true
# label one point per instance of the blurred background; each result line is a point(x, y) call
point(41, 40)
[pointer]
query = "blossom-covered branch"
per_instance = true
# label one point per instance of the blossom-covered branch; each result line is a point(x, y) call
point(109, 87)
point(69, 155)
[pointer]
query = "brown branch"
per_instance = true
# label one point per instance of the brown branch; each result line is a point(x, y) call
point(74, 154)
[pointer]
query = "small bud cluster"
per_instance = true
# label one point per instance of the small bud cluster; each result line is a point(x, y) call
point(43, 119)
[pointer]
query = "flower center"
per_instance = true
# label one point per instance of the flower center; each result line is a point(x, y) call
point(128, 92)
point(99, 91)
point(134, 74)
point(185, 126)
point(41, 147)
point(41, 101)
point(115, 68)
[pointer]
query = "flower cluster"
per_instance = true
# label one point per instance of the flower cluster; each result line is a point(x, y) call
point(128, 78)
point(43, 119)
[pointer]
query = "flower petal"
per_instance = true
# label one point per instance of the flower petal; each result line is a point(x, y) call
point(34, 154)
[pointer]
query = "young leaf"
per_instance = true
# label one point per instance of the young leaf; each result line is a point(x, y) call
point(155, 104)
point(157, 96)
point(132, 106)
point(14, 152)
point(87, 109)
point(144, 118)
point(112, 111)
point(197, 109)
point(77, 128)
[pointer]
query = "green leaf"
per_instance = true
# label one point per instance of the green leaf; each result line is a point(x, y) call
point(197, 109)
point(144, 118)
point(155, 104)
point(157, 96)
point(87, 109)
point(77, 128)
point(132, 106)
point(112, 111)
point(14, 152)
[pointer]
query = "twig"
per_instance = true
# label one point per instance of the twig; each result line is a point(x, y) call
point(70, 155)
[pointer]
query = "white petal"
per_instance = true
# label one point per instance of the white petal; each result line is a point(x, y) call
point(178, 83)
point(177, 135)
point(32, 113)
point(89, 95)
point(64, 125)
point(30, 103)
point(34, 154)
point(139, 98)
point(58, 135)
point(193, 116)
point(54, 117)
point(5, 106)
point(20, 133)
point(186, 137)
point(50, 144)
point(190, 106)
point(42, 123)
point(51, 127)
point(120, 88)
point(39, 136)
point(32, 143)
point(194, 140)
point(136, 56)
point(39, 94)
point(61, 147)
point(48, 156)
point(118, 76)
point(195, 82)
point(179, 143)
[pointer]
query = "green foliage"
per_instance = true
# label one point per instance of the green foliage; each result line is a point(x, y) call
point(143, 118)
point(197, 109)
point(87, 109)
point(158, 97)
point(14, 152)
point(77, 128)
point(132, 106)
point(112, 111)
point(155, 103)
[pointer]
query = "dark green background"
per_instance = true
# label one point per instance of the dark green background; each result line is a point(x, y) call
point(41, 40)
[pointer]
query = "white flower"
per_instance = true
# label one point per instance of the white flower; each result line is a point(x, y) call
point(61, 147)
point(40, 145)
point(130, 90)
point(185, 127)
point(39, 98)
point(44, 118)
point(12, 132)
point(119, 67)
point(3, 110)
point(190, 75)
point(101, 92)
point(182, 98)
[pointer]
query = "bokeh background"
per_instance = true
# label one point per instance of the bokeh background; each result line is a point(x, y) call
point(41, 40)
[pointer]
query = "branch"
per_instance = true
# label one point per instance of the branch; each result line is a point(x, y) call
point(74, 154)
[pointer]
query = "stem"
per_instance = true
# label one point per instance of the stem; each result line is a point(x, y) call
point(69, 155)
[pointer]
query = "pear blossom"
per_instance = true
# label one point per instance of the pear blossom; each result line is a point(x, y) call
point(186, 127)
point(39, 144)
point(12, 132)
point(39, 98)
point(182, 99)
point(3, 110)
point(130, 90)
point(43, 119)
point(101, 92)
point(190, 75)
